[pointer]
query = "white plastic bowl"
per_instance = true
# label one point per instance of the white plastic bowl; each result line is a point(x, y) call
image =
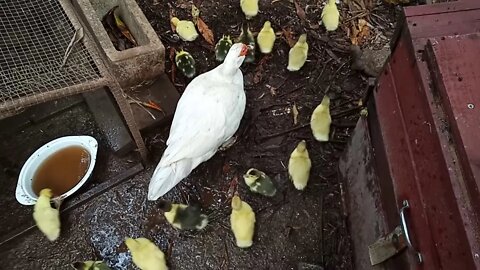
point(24, 192)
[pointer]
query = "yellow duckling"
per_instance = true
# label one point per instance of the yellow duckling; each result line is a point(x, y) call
point(185, 29)
point(46, 217)
point(249, 8)
point(145, 254)
point(242, 221)
point(266, 38)
point(330, 16)
point(299, 166)
point(321, 120)
point(91, 265)
point(298, 54)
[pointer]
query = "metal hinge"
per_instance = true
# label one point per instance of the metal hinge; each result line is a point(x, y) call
point(388, 246)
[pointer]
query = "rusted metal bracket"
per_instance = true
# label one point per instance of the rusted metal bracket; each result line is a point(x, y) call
point(387, 246)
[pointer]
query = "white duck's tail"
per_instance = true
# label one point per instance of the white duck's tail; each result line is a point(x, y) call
point(166, 177)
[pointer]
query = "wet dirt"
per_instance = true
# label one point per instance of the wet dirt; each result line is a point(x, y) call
point(293, 229)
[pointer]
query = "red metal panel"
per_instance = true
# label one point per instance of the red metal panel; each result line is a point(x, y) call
point(466, 17)
point(452, 18)
point(453, 23)
point(423, 165)
point(462, 193)
point(445, 7)
point(458, 66)
point(391, 123)
point(438, 172)
point(431, 172)
point(417, 165)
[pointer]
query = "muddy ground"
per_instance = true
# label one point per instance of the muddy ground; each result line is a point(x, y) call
point(293, 229)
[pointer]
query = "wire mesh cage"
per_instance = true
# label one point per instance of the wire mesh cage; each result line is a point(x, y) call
point(35, 35)
point(43, 57)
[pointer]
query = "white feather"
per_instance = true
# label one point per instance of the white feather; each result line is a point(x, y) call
point(207, 115)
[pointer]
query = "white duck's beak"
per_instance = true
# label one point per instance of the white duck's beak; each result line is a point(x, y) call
point(244, 50)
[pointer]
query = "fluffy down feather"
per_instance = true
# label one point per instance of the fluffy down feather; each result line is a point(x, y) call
point(145, 254)
point(46, 217)
point(242, 221)
point(299, 166)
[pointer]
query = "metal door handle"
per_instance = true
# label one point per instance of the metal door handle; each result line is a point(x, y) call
point(403, 220)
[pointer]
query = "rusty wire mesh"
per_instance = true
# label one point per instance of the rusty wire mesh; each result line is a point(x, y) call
point(34, 35)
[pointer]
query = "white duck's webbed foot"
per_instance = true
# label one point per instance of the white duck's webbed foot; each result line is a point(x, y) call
point(229, 143)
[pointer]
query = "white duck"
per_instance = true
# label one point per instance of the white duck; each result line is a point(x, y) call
point(207, 116)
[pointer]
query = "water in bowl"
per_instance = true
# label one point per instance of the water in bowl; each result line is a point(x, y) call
point(62, 170)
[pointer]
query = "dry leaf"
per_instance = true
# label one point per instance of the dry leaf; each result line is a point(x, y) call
point(300, 12)
point(257, 78)
point(226, 168)
point(232, 189)
point(360, 33)
point(364, 30)
point(117, 31)
point(295, 114)
point(123, 28)
point(287, 33)
point(195, 14)
point(205, 31)
point(174, 67)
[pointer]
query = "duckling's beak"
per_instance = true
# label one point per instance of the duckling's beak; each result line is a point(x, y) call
point(244, 50)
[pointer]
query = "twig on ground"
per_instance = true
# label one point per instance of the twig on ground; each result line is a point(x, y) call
point(335, 76)
point(283, 132)
point(345, 112)
point(293, 90)
point(344, 125)
point(332, 55)
point(139, 103)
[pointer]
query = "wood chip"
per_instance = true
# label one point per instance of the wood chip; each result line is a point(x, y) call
point(205, 31)
point(287, 33)
point(300, 12)
point(173, 66)
point(259, 70)
point(295, 114)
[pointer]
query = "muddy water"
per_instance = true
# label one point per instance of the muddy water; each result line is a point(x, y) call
point(62, 171)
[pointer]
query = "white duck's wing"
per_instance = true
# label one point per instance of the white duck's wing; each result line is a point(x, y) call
point(198, 126)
